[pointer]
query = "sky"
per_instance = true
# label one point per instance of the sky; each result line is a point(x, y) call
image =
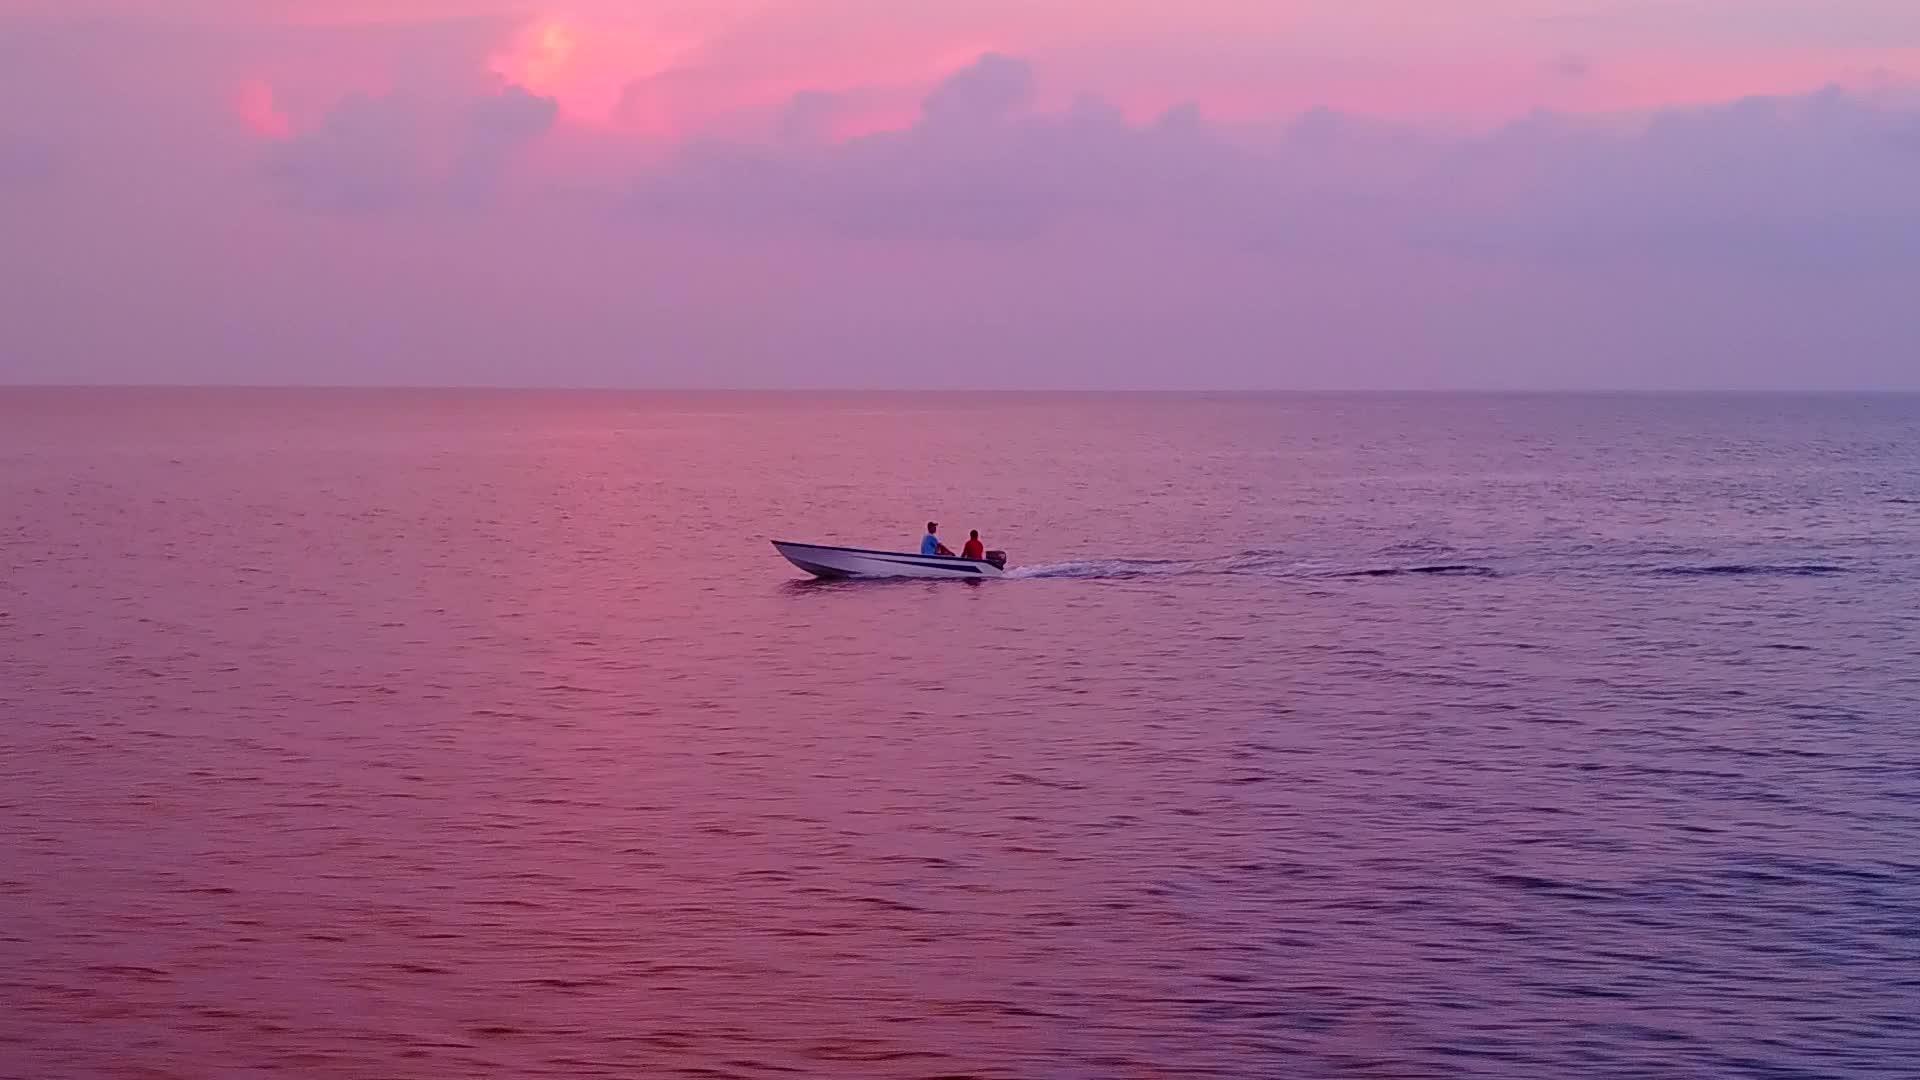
point(1551, 194)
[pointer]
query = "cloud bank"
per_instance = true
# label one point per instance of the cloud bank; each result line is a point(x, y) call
point(394, 153)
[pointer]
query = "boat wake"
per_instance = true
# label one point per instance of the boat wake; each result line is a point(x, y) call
point(1103, 569)
point(1750, 570)
point(1419, 561)
point(1271, 564)
point(1455, 569)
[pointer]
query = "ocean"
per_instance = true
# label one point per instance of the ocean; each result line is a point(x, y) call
point(483, 734)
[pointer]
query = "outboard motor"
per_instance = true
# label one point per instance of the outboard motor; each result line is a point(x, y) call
point(998, 559)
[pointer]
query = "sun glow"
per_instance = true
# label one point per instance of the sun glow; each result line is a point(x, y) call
point(587, 67)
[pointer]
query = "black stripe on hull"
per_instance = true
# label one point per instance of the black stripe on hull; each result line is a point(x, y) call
point(928, 565)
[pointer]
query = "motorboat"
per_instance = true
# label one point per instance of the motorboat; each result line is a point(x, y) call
point(823, 561)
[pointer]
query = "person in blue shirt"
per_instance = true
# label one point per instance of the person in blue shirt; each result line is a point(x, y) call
point(930, 544)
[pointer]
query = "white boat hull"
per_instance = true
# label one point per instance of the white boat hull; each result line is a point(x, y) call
point(841, 562)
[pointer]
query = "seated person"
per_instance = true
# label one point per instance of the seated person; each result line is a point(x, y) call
point(930, 544)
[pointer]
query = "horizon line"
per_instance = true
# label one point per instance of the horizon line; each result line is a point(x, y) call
point(1060, 390)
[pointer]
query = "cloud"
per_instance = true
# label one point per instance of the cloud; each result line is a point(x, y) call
point(808, 118)
point(1824, 179)
point(1807, 185)
point(510, 117)
point(367, 153)
point(499, 126)
point(978, 163)
point(990, 90)
point(399, 151)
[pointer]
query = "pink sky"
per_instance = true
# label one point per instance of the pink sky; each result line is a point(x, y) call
point(1373, 192)
point(1473, 60)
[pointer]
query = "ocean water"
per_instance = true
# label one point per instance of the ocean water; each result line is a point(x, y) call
point(472, 734)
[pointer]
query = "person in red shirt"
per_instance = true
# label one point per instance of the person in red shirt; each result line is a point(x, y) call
point(974, 549)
